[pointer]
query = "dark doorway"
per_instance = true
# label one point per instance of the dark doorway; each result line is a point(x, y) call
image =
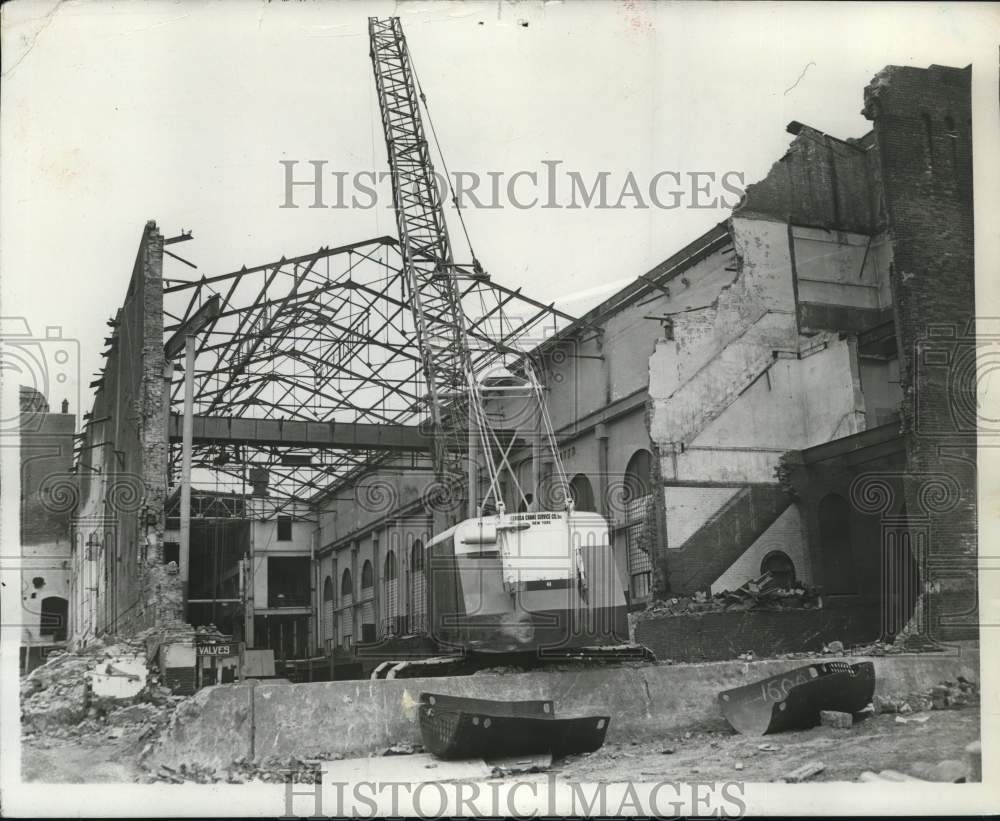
point(55, 617)
point(288, 581)
point(835, 537)
point(582, 492)
point(781, 568)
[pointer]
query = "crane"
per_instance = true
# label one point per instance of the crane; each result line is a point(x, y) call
point(431, 273)
point(504, 584)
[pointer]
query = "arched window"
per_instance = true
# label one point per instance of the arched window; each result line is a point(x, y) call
point(418, 589)
point(346, 618)
point(781, 568)
point(417, 556)
point(328, 608)
point(634, 505)
point(390, 598)
point(367, 602)
point(638, 474)
point(582, 492)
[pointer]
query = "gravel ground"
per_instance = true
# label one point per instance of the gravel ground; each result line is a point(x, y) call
point(875, 744)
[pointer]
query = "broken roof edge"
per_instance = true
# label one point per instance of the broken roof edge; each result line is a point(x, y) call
point(677, 263)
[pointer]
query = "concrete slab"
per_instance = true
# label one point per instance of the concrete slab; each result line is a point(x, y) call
point(356, 717)
point(213, 727)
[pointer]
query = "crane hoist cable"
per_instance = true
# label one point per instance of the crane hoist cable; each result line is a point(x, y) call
point(476, 265)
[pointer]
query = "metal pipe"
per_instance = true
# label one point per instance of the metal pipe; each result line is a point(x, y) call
point(186, 447)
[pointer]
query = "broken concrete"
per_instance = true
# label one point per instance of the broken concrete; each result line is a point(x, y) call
point(356, 717)
point(836, 719)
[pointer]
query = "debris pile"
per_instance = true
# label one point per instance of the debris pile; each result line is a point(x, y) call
point(56, 694)
point(950, 770)
point(267, 769)
point(764, 593)
point(943, 696)
point(97, 690)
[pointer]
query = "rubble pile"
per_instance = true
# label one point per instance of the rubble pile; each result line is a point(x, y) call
point(56, 693)
point(58, 699)
point(946, 695)
point(759, 594)
point(267, 769)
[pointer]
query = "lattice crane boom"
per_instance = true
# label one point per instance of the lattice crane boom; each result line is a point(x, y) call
point(426, 249)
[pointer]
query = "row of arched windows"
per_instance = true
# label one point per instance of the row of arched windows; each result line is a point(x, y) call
point(389, 604)
point(393, 605)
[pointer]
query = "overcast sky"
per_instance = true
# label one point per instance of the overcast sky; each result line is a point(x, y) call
point(115, 113)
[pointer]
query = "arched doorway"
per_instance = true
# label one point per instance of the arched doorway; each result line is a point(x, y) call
point(834, 515)
point(55, 617)
point(582, 492)
point(328, 608)
point(346, 609)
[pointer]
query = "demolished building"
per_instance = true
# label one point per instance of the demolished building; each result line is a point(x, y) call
point(47, 498)
point(789, 393)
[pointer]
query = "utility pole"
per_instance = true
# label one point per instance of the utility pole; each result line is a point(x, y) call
point(185, 338)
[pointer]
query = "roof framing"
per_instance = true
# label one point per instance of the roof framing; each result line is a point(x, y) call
point(325, 337)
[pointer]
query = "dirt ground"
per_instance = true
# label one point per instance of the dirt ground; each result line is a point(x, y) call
point(877, 743)
point(75, 763)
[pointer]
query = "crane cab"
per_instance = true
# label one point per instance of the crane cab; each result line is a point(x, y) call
point(544, 581)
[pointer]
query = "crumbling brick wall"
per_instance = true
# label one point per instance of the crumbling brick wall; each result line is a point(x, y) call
point(820, 181)
point(124, 470)
point(923, 131)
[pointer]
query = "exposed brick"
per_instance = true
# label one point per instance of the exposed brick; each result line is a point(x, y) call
point(123, 483)
point(726, 635)
point(923, 134)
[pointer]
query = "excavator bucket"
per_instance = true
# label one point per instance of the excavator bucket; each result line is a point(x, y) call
point(455, 727)
point(793, 700)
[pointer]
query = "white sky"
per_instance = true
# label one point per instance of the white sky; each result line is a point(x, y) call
point(115, 113)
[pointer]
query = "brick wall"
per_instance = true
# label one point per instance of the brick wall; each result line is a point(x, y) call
point(726, 635)
point(923, 131)
point(46, 457)
point(123, 476)
point(820, 181)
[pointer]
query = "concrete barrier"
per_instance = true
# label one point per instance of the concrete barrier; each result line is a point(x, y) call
point(357, 717)
point(212, 728)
